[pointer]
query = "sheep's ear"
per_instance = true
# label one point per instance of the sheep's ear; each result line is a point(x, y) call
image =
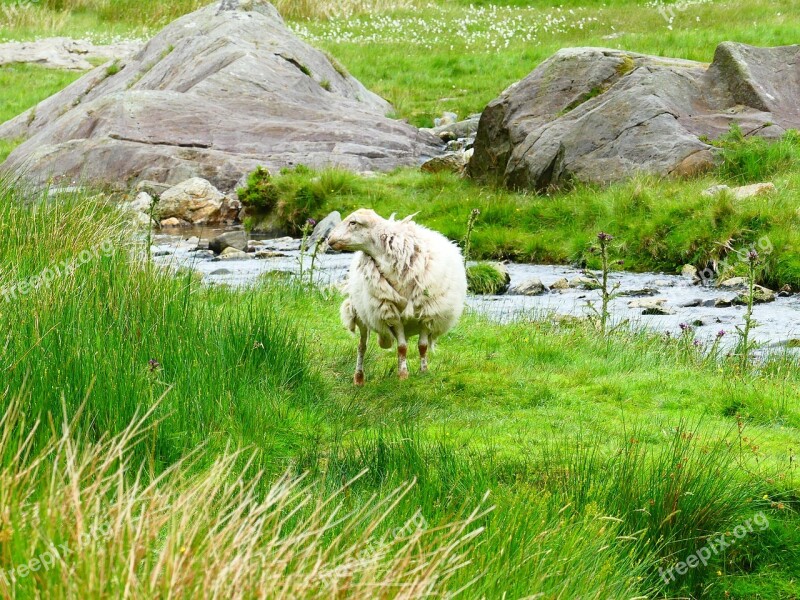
point(392, 216)
point(409, 217)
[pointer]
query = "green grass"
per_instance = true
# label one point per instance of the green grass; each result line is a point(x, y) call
point(607, 458)
point(24, 86)
point(574, 435)
point(660, 225)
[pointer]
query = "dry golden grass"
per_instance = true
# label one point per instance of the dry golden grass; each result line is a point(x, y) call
point(119, 532)
point(326, 9)
point(30, 16)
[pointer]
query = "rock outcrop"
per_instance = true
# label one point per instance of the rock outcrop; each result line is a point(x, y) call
point(65, 53)
point(599, 115)
point(215, 94)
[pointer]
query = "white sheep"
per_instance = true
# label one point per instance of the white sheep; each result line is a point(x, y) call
point(405, 280)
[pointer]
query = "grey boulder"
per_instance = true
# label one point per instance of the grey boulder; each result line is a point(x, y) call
point(599, 115)
point(230, 239)
point(214, 95)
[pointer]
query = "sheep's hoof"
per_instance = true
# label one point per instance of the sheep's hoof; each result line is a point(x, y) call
point(403, 375)
point(358, 378)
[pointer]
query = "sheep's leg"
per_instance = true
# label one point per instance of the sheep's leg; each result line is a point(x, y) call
point(358, 378)
point(402, 351)
point(423, 351)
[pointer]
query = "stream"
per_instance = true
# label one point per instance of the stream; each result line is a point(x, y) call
point(778, 321)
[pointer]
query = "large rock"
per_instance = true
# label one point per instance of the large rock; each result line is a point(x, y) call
point(599, 115)
point(214, 95)
point(65, 53)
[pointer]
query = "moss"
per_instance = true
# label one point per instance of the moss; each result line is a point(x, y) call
point(626, 66)
point(594, 92)
point(113, 68)
point(325, 85)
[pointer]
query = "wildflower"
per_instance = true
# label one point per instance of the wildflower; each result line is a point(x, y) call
point(696, 342)
point(684, 326)
point(153, 364)
point(312, 222)
point(720, 334)
point(752, 256)
point(621, 263)
point(604, 237)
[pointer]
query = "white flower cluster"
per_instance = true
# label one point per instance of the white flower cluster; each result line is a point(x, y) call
point(475, 27)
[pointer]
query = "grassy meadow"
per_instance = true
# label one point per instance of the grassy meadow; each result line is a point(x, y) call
point(159, 438)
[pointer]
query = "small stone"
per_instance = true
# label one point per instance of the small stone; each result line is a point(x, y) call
point(742, 192)
point(174, 222)
point(689, 271)
point(761, 295)
point(262, 254)
point(586, 283)
point(221, 272)
point(455, 162)
point(194, 200)
point(658, 311)
point(560, 284)
point(234, 254)
point(640, 292)
point(529, 287)
point(734, 282)
point(691, 303)
point(647, 303)
point(229, 239)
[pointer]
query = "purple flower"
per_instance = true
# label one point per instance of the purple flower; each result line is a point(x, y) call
point(621, 263)
point(752, 256)
point(720, 333)
point(153, 364)
point(604, 237)
point(696, 342)
point(312, 222)
point(684, 326)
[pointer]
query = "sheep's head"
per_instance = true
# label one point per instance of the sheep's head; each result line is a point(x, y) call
point(358, 231)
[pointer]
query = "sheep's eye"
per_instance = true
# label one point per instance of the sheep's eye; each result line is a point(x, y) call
point(354, 223)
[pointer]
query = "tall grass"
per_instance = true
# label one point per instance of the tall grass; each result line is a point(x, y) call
point(85, 317)
point(80, 521)
point(326, 9)
point(152, 14)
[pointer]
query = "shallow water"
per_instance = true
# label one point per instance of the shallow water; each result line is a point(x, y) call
point(778, 321)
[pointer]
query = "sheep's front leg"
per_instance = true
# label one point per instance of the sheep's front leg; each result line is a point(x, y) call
point(358, 378)
point(402, 351)
point(423, 351)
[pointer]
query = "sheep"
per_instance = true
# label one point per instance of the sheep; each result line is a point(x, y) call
point(405, 280)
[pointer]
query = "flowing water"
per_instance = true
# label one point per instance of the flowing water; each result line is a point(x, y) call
point(778, 321)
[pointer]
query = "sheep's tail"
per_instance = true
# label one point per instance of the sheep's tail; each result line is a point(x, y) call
point(348, 315)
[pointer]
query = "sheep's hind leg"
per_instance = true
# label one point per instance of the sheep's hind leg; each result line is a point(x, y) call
point(358, 378)
point(402, 351)
point(423, 351)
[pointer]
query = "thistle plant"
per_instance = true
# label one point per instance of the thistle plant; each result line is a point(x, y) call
point(473, 216)
point(151, 211)
point(745, 344)
point(607, 292)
